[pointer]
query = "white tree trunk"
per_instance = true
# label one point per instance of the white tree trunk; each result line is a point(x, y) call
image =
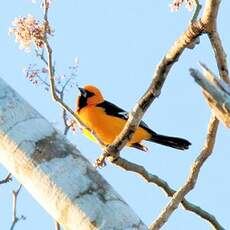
point(54, 171)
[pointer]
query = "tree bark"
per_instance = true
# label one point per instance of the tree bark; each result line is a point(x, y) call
point(54, 171)
point(216, 92)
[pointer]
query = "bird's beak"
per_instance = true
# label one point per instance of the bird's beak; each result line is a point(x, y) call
point(83, 92)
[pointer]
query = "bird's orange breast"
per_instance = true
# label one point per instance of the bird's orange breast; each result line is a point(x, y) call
point(108, 127)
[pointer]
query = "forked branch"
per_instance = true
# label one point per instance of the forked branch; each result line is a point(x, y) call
point(7, 179)
point(15, 218)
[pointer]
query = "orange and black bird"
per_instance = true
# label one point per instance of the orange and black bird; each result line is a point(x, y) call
point(107, 121)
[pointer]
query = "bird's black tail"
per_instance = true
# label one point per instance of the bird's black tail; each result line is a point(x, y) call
point(174, 142)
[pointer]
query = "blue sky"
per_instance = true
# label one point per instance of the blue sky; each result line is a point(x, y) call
point(119, 43)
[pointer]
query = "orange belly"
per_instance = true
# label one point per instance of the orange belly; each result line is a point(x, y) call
point(108, 127)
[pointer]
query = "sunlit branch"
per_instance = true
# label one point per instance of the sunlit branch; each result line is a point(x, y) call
point(160, 75)
point(192, 178)
point(154, 179)
point(209, 22)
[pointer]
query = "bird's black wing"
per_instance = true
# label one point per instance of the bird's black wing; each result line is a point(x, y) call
point(114, 110)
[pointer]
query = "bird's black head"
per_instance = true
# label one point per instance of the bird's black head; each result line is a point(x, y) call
point(83, 98)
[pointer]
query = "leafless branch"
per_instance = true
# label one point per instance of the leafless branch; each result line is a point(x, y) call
point(209, 22)
point(198, 7)
point(219, 54)
point(7, 179)
point(52, 79)
point(150, 178)
point(193, 31)
point(206, 24)
point(15, 218)
point(61, 91)
point(192, 178)
point(41, 56)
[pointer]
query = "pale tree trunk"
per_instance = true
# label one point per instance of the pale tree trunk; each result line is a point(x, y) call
point(216, 92)
point(54, 171)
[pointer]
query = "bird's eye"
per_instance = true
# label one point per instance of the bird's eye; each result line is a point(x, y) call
point(85, 93)
point(89, 94)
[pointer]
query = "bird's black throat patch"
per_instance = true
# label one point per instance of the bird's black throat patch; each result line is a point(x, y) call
point(82, 102)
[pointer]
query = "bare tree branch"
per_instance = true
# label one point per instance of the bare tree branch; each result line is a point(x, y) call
point(219, 54)
point(192, 178)
point(60, 91)
point(205, 25)
point(154, 90)
point(197, 10)
point(7, 179)
point(15, 218)
point(195, 29)
point(41, 56)
point(141, 171)
point(52, 79)
point(209, 22)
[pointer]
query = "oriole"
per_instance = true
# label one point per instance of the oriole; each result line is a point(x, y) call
point(107, 121)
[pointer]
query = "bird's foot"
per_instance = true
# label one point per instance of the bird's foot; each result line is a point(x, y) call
point(100, 162)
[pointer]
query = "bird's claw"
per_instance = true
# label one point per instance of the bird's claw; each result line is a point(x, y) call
point(100, 162)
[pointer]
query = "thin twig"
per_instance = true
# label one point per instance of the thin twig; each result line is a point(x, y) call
point(43, 59)
point(41, 55)
point(7, 179)
point(195, 29)
point(192, 178)
point(58, 100)
point(64, 113)
point(15, 218)
point(52, 80)
point(196, 11)
point(60, 92)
